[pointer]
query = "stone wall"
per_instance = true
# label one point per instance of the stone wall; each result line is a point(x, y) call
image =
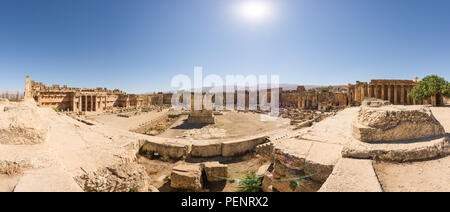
point(178, 148)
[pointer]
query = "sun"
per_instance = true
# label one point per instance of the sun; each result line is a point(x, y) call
point(254, 10)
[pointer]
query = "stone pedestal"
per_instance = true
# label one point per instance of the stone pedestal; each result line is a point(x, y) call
point(201, 117)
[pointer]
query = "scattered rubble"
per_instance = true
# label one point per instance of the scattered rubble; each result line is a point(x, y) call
point(301, 118)
point(22, 124)
point(127, 177)
point(10, 168)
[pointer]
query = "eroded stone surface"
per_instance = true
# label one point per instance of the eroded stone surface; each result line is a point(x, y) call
point(352, 175)
point(394, 123)
point(22, 124)
point(128, 177)
point(187, 177)
point(215, 171)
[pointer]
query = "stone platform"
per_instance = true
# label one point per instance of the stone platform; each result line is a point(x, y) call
point(378, 122)
point(201, 117)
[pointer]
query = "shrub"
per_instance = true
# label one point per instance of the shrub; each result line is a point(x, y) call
point(251, 183)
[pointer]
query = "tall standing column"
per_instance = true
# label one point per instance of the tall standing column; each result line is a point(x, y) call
point(362, 94)
point(395, 95)
point(408, 98)
point(390, 94)
point(85, 103)
point(370, 91)
point(357, 93)
point(92, 102)
point(383, 95)
point(349, 96)
point(402, 94)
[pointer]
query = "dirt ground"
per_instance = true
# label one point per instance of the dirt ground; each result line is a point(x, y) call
point(231, 124)
point(431, 175)
point(131, 123)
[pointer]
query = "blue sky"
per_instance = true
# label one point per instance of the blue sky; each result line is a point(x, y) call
point(139, 45)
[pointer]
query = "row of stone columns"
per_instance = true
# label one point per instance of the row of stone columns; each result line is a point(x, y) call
point(307, 101)
point(396, 94)
point(89, 103)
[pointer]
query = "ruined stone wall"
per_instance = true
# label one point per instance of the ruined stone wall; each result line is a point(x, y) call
point(395, 91)
point(60, 100)
point(290, 99)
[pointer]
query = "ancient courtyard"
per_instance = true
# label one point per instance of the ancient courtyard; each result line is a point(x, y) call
point(364, 137)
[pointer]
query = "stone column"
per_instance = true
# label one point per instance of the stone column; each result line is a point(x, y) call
point(361, 90)
point(357, 93)
point(92, 102)
point(402, 94)
point(383, 95)
point(390, 93)
point(408, 99)
point(28, 92)
point(395, 95)
point(74, 104)
point(370, 90)
point(85, 103)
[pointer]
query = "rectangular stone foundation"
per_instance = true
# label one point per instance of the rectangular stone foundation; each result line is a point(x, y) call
point(201, 117)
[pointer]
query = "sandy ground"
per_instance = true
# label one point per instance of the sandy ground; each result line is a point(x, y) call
point(425, 176)
point(130, 123)
point(229, 125)
point(7, 183)
point(432, 175)
point(70, 149)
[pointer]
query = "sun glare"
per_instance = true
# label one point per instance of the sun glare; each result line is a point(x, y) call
point(255, 10)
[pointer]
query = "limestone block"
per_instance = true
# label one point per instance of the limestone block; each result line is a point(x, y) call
point(168, 150)
point(263, 169)
point(394, 123)
point(321, 159)
point(292, 153)
point(239, 147)
point(187, 177)
point(206, 150)
point(201, 117)
point(213, 170)
point(352, 175)
point(267, 182)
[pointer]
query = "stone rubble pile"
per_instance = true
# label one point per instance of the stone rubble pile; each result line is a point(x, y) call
point(128, 177)
point(22, 124)
point(304, 118)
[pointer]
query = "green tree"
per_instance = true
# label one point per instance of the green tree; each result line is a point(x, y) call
point(430, 86)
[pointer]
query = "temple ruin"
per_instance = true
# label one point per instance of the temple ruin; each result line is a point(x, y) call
point(102, 99)
point(395, 91)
